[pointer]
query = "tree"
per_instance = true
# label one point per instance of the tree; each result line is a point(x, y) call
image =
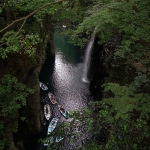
point(13, 96)
point(122, 26)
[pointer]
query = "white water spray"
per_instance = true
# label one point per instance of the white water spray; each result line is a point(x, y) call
point(87, 58)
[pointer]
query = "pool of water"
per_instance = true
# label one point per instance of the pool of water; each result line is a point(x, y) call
point(63, 76)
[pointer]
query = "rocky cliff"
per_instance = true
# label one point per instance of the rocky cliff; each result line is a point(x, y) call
point(97, 71)
point(33, 111)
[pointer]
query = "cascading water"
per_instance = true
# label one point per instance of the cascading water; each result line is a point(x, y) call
point(87, 58)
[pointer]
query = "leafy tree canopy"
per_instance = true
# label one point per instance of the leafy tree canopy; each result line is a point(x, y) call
point(12, 97)
point(119, 122)
point(123, 27)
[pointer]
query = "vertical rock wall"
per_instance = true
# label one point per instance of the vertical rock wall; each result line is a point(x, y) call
point(97, 71)
point(30, 129)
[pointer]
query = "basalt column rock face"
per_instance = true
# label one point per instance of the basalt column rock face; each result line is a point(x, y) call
point(33, 108)
point(97, 71)
point(29, 130)
point(50, 50)
point(32, 111)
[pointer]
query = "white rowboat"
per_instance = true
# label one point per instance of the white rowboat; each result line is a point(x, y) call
point(47, 111)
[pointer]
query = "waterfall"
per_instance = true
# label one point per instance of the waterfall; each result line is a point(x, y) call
point(87, 57)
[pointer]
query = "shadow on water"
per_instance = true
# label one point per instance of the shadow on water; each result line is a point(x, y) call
point(47, 71)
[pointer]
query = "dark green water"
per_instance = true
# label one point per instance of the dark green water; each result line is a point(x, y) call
point(63, 76)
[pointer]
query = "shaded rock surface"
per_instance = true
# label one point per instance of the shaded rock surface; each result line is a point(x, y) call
point(29, 130)
point(97, 71)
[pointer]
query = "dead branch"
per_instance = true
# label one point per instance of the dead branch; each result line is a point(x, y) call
point(22, 25)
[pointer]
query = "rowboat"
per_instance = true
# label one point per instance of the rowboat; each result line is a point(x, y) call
point(64, 112)
point(52, 98)
point(43, 86)
point(47, 112)
point(53, 140)
point(52, 125)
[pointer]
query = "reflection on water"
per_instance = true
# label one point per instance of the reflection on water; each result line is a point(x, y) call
point(64, 78)
point(68, 87)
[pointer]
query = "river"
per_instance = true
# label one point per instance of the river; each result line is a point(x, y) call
point(63, 76)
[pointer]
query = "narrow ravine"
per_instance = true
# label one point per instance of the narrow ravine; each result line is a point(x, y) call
point(64, 78)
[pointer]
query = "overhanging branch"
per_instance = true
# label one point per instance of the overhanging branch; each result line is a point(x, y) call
point(31, 14)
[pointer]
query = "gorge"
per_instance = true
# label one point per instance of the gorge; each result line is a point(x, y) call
point(113, 82)
point(64, 79)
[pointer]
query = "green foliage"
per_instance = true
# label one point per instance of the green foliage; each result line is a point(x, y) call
point(113, 17)
point(124, 26)
point(23, 40)
point(73, 14)
point(125, 115)
point(125, 101)
point(18, 43)
point(141, 83)
point(12, 97)
point(23, 36)
point(122, 120)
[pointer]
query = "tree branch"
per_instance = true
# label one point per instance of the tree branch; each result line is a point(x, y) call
point(31, 14)
point(22, 25)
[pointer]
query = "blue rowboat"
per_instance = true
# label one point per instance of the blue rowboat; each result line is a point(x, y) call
point(52, 125)
point(64, 112)
point(43, 86)
point(47, 111)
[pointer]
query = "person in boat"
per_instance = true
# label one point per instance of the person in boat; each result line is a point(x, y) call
point(53, 100)
point(62, 109)
point(43, 86)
